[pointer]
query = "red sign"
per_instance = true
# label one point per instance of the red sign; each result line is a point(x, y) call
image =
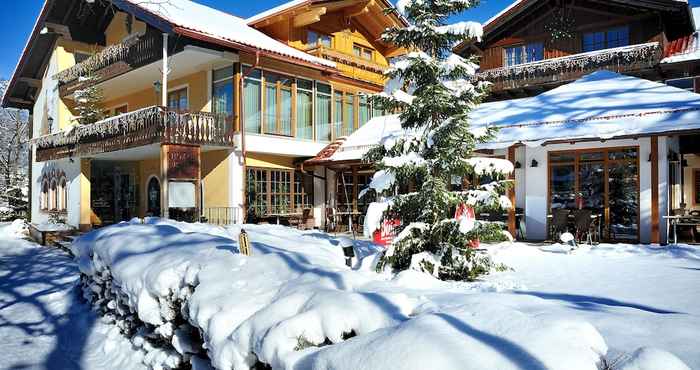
point(467, 213)
point(182, 162)
point(386, 234)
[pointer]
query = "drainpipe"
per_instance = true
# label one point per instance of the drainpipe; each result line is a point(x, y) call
point(164, 91)
point(241, 124)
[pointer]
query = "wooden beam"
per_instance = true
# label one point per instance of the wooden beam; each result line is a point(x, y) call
point(512, 227)
point(655, 235)
point(60, 29)
point(309, 17)
point(33, 82)
point(358, 9)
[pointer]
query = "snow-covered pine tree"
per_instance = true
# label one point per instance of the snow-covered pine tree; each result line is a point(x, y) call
point(88, 101)
point(437, 148)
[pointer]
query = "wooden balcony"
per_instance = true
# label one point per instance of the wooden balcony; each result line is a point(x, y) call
point(556, 71)
point(152, 125)
point(350, 60)
point(111, 62)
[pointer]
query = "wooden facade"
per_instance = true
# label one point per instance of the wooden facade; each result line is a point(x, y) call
point(647, 29)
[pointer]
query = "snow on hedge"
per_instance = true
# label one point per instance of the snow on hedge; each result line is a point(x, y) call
point(294, 304)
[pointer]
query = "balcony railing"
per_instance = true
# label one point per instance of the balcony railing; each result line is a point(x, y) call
point(111, 62)
point(623, 59)
point(142, 127)
point(350, 60)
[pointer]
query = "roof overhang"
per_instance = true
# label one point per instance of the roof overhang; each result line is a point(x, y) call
point(372, 15)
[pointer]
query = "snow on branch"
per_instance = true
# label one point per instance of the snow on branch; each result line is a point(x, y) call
point(488, 165)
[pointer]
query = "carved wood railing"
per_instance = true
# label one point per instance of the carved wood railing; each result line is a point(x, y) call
point(111, 62)
point(568, 68)
point(142, 127)
point(351, 60)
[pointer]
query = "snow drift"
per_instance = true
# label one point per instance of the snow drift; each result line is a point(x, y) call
point(183, 293)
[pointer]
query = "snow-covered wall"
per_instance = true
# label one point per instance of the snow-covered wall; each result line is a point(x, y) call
point(536, 186)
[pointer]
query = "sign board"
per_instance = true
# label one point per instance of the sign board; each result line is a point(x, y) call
point(181, 194)
point(387, 232)
point(182, 162)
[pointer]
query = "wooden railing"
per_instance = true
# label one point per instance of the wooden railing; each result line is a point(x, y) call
point(623, 59)
point(351, 60)
point(111, 62)
point(142, 127)
point(222, 216)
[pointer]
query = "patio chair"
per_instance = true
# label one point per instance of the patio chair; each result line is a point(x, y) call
point(585, 225)
point(560, 223)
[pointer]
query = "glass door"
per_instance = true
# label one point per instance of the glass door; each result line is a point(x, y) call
point(605, 181)
point(623, 195)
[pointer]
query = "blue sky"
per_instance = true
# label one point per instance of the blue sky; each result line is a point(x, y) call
point(18, 17)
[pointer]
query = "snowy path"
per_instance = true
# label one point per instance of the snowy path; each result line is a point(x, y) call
point(634, 295)
point(43, 324)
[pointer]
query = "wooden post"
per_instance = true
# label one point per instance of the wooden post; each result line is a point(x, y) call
point(655, 235)
point(512, 227)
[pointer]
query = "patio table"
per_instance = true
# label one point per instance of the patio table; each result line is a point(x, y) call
point(676, 221)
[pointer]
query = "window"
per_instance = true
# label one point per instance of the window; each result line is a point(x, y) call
point(323, 112)
point(222, 96)
point(251, 100)
point(344, 113)
point(278, 104)
point(362, 52)
point(54, 191)
point(80, 56)
point(364, 110)
point(305, 93)
point(44, 204)
point(177, 100)
point(520, 54)
point(278, 192)
point(316, 39)
point(617, 37)
point(612, 38)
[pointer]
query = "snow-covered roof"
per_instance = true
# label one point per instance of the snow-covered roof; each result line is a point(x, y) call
point(601, 105)
point(201, 19)
point(275, 10)
point(682, 50)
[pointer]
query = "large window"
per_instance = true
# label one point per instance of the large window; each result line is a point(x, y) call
point(222, 95)
point(305, 94)
point(520, 54)
point(612, 38)
point(316, 39)
point(251, 100)
point(323, 112)
point(278, 104)
point(344, 113)
point(276, 192)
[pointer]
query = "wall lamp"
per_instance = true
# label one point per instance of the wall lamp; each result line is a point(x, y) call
point(518, 165)
point(534, 163)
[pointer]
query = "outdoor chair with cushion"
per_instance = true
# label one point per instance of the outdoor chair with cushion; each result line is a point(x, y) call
point(585, 225)
point(560, 223)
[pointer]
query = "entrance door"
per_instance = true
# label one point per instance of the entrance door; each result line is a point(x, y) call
point(604, 181)
point(153, 205)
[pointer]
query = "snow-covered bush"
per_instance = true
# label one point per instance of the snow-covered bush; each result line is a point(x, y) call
point(185, 297)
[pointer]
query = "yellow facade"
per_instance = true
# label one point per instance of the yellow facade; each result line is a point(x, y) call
point(269, 161)
point(117, 30)
point(216, 179)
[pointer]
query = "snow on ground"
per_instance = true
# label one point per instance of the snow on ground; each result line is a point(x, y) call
point(555, 310)
point(636, 296)
point(42, 323)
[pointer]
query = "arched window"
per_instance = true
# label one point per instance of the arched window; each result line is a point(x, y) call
point(44, 204)
point(62, 194)
point(53, 195)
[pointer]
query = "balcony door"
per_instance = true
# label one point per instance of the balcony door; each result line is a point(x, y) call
point(605, 181)
point(177, 100)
